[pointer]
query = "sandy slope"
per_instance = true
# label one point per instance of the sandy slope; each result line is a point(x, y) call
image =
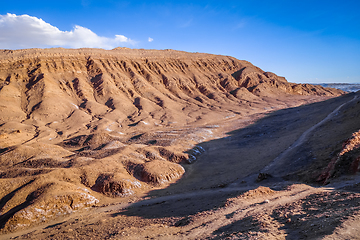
point(270, 209)
point(88, 127)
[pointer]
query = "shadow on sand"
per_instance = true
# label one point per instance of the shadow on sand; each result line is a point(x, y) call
point(205, 186)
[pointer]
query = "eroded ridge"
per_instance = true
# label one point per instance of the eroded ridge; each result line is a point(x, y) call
point(83, 127)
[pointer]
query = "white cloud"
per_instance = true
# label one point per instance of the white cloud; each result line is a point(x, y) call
point(121, 38)
point(150, 39)
point(25, 31)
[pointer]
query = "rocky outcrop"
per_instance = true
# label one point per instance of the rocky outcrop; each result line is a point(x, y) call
point(346, 161)
point(160, 172)
point(54, 86)
point(114, 184)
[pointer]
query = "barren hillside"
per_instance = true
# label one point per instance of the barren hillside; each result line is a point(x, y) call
point(87, 127)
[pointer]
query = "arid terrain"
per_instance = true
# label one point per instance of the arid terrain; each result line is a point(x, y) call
point(149, 144)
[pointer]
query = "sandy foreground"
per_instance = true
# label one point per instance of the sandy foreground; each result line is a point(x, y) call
point(136, 144)
point(219, 197)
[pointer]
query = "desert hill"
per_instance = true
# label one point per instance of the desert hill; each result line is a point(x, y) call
point(87, 127)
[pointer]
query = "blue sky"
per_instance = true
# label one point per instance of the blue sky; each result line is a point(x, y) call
point(304, 41)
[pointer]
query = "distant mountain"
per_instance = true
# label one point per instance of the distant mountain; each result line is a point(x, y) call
point(347, 87)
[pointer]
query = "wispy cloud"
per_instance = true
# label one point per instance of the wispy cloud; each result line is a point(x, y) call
point(150, 39)
point(186, 23)
point(241, 24)
point(24, 31)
